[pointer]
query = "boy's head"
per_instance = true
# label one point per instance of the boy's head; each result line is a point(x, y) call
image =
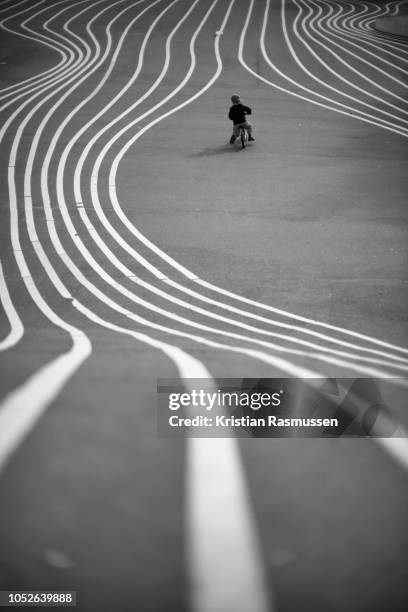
point(235, 99)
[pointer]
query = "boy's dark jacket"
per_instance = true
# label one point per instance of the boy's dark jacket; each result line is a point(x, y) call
point(237, 113)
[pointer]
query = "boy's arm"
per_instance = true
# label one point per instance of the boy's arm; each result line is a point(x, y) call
point(247, 110)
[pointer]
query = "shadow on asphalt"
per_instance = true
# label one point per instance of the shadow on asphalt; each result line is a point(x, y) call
point(216, 151)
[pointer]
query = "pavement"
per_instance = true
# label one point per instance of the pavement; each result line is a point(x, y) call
point(289, 256)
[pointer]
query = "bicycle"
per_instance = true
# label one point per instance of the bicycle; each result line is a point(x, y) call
point(243, 136)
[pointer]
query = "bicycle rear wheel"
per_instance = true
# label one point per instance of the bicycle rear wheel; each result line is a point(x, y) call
point(243, 136)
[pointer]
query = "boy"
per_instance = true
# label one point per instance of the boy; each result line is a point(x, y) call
point(237, 114)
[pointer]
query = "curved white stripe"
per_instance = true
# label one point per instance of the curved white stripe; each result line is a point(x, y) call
point(223, 549)
point(311, 23)
point(244, 524)
point(81, 246)
point(21, 409)
point(366, 31)
point(335, 73)
point(127, 223)
point(11, 90)
point(111, 256)
point(337, 25)
point(351, 112)
point(16, 326)
point(82, 211)
point(296, 328)
point(13, 6)
point(73, 68)
point(93, 186)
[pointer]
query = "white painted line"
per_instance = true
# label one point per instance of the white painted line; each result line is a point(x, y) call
point(313, 322)
point(397, 448)
point(345, 37)
point(224, 561)
point(21, 409)
point(339, 59)
point(289, 326)
point(87, 255)
point(366, 370)
point(16, 326)
point(67, 58)
point(351, 112)
point(246, 554)
point(223, 551)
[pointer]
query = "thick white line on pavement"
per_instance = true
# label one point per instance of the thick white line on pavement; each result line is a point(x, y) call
point(16, 326)
point(397, 448)
point(83, 214)
point(339, 362)
point(186, 369)
point(113, 196)
point(223, 549)
point(112, 282)
point(23, 407)
point(107, 252)
point(163, 255)
point(224, 561)
point(112, 173)
point(247, 562)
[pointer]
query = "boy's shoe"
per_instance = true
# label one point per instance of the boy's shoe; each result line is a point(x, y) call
point(232, 139)
point(251, 138)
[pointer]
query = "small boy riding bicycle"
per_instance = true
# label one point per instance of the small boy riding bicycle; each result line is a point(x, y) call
point(237, 114)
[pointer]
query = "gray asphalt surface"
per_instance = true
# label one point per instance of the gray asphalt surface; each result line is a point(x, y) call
point(310, 219)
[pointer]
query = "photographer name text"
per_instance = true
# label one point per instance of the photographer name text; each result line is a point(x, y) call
point(246, 421)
